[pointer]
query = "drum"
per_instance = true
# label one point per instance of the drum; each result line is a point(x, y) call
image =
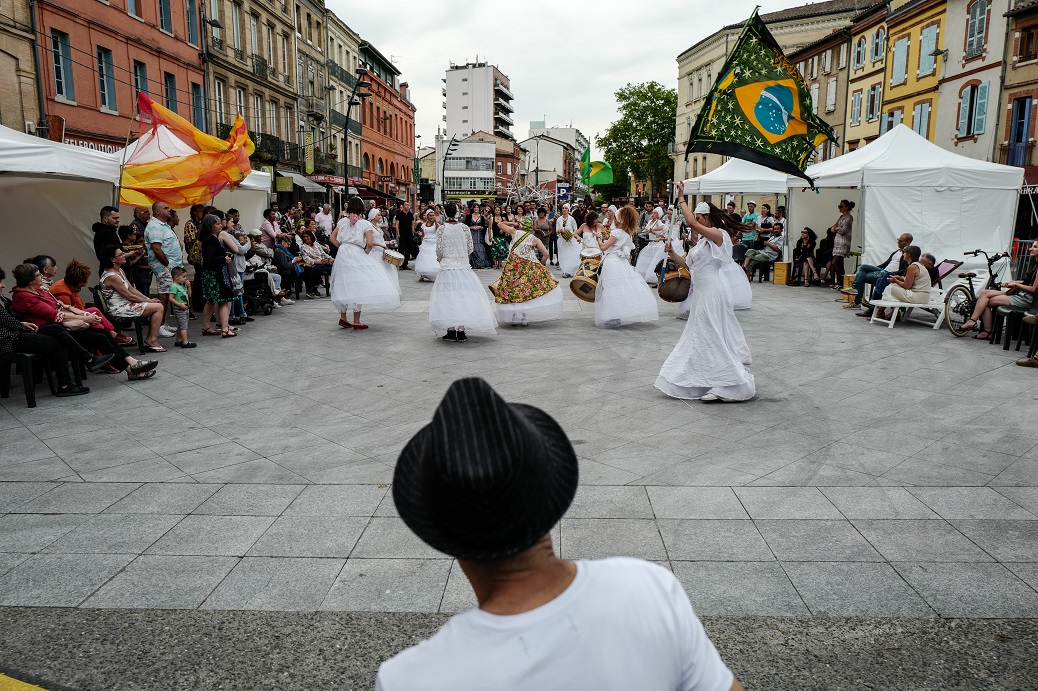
point(393, 257)
point(585, 281)
point(676, 282)
point(591, 253)
point(567, 235)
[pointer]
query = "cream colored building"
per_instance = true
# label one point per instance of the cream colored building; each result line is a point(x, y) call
point(19, 103)
point(343, 61)
point(868, 53)
point(793, 28)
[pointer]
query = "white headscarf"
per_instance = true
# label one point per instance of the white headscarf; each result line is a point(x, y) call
point(702, 208)
point(374, 212)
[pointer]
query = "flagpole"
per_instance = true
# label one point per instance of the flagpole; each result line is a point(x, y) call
point(122, 165)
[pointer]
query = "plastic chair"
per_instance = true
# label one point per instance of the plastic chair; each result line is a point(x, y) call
point(27, 363)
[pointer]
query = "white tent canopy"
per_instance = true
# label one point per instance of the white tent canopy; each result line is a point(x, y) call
point(949, 203)
point(737, 175)
point(51, 194)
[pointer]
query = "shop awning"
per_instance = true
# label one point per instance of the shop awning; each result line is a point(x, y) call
point(368, 192)
point(302, 181)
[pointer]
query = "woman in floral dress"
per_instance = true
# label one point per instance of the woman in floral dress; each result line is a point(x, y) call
point(527, 292)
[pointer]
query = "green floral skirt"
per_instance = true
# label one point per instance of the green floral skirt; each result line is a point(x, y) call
point(523, 280)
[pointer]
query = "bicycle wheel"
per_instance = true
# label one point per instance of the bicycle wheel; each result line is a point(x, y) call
point(958, 307)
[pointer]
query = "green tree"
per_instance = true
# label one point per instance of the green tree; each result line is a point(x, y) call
point(637, 142)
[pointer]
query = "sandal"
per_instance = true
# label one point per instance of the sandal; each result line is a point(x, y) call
point(140, 375)
point(972, 324)
point(229, 334)
point(154, 348)
point(209, 332)
point(982, 336)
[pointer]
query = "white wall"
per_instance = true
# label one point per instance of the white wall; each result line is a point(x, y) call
point(470, 96)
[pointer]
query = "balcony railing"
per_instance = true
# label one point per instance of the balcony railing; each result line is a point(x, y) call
point(354, 171)
point(500, 86)
point(339, 120)
point(313, 104)
point(343, 76)
point(293, 152)
point(259, 66)
point(239, 54)
point(1017, 154)
point(504, 105)
point(269, 148)
point(323, 163)
point(217, 44)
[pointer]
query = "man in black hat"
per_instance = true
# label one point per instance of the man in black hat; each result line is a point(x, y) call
point(485, 482)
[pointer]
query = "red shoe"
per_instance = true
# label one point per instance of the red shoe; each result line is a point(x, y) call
point(123, 340)
point(344, 324)
point(359, 326)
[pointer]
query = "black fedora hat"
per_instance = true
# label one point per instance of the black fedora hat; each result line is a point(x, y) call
point(485, 479)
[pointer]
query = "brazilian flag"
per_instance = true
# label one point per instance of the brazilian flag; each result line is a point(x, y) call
point(594, 172)
point(759, 108)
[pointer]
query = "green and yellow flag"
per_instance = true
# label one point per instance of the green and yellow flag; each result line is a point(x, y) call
point(594, 172)
point(760, 108)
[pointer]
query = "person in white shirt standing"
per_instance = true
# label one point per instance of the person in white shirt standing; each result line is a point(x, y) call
point(325, 220)
point(569, 246)
point(485, 482)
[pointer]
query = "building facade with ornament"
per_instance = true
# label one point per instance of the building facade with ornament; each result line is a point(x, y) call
point(387, 131)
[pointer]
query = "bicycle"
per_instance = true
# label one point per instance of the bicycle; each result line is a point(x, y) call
point(962, 299)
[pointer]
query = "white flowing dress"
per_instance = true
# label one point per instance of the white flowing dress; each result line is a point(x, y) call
point(738, 284)
point(426, 265)
point(652, 253)
point(622, 296)
point(458, 299)
point(712, 351)
point(569, 252)
point(359, 281)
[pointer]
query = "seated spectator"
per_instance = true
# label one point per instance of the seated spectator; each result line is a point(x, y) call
point(34, 304)
point(824, 255)
point(490, 500)
point(289, 265)
point(1016, 294)
point(137, 268)
point(771, 252)
point(48, 268)
point(315, 261)
point(67, 291)
point(930, 262)
point(27, 278)
point(895, 264)
point(264, 260)
point(124, 300)
point(804, 255)
point(913, 287)
point(23, 337)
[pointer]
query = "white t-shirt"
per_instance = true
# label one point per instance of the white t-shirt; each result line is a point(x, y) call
point(324, 221)
point(622, 624)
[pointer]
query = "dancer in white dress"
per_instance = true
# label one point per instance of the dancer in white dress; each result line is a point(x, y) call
point(655, 250)
point(359, 282)
point(622, 296)
point(708, 362)
point(569, 250)
point(459, 301)
point(426, 265)
point(378, 249)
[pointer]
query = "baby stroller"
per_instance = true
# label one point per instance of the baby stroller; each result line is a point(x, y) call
point(257, 294)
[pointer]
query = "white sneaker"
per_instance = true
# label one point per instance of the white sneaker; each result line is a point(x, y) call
point(166, 332)
point(286, 301)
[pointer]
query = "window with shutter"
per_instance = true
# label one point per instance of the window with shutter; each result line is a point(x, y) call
point(899, 69)
point(923, 128)
point(895, 118)
point(843, 56)
point(980, 112)
point(827, 61)
point(814, 98)
point(976, 25)
point(856, 108)
point(830, 95)
point(927, 45)
point(965, 101)
point(879, 45)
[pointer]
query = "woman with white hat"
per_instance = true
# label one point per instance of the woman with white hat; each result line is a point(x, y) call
point(708, 362)
point(426, 265)
point(379, 247)
point(622, 296)
point(359, 281)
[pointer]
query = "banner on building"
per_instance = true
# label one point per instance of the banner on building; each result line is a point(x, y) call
point(308, 144)
point(759, 109)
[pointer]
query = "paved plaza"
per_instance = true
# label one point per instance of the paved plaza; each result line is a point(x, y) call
point(879, 473)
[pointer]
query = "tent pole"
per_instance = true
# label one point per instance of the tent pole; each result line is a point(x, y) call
point(122, 165)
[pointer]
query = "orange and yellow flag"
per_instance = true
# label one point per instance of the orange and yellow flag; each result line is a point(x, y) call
point(151, 174)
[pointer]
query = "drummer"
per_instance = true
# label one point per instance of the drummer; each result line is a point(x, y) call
point(589, 234)
point(379, 248)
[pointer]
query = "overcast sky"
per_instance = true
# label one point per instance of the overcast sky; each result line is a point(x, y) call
point(564, 59)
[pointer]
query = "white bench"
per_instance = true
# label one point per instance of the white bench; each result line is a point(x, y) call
point(934, 306)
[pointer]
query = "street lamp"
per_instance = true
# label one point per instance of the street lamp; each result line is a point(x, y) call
point(204, 57)
point(361, 83)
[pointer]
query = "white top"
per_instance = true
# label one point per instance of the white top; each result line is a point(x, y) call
point(324, 221)
point(568, 223)
point(623, 244)
point(353, 234)
point(895, 262)
point(453, 246)
point(622, 624)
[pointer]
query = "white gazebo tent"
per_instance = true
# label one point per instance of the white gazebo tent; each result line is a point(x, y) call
point(51, 194)
point(903, 183)
point(737, 175)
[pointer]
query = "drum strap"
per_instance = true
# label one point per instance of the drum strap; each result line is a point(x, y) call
point(520, 240)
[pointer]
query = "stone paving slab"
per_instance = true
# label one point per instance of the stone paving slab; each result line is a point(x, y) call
point(270, 488)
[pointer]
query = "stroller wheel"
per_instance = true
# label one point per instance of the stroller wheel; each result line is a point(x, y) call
point(268, 308)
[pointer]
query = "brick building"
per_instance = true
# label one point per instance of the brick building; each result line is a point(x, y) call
point(387, 128)
point(19, 103)
point(99, 54)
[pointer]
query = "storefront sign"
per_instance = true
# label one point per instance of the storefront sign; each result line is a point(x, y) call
point(93, 146)
point(308, 143)
point(385, 178)
point(321, 179)
point(282, 184)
